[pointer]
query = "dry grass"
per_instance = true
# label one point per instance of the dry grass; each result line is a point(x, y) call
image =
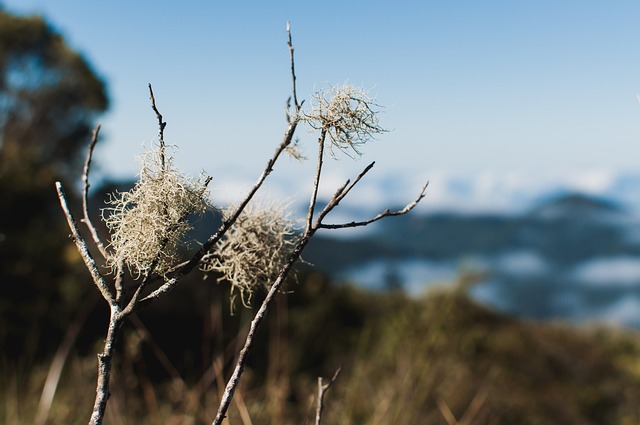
point(438, 360)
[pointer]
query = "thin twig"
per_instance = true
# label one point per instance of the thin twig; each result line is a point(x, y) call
point(322, 389)
point(85, 194)
point(293, 71)
point(161, 124)
point(340, 194)
point(385, 213)
point(98, 279)
point(316, 180)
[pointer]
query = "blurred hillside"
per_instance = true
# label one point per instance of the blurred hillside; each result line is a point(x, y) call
point(571, 257)
point(405, 361)
point(49, 99)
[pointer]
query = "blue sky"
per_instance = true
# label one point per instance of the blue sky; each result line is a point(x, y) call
point(539, 87)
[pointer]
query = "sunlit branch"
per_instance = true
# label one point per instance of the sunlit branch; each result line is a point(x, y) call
point(161, 125)
point(316, 180)
point(293, 71)
point(386, 213)
point(85, 194)
point(98, 279)
point(340, 194)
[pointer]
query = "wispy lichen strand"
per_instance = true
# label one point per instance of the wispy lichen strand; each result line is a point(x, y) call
point(252, 251)
point(348, 116)
point(148, 222)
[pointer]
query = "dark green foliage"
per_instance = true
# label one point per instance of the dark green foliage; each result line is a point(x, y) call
point(49, 99)
point(447, 350)
point(404, 360)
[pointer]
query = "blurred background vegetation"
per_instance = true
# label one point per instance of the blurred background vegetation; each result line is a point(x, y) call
point(436, 359)
point(49, 100)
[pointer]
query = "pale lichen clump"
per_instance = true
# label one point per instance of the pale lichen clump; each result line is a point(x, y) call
point(253, 251)
point(347, 115)
point(148, 222)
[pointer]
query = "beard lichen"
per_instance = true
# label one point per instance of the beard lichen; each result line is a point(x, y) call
point(148, 222)
point(253, 251)
point(348, 116)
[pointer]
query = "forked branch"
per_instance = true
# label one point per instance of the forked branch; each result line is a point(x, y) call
point(385, 213)
point(322, 390)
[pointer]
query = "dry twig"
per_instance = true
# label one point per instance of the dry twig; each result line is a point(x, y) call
point(85, 194)
point(322, 390)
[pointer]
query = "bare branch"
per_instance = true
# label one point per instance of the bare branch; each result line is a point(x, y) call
point(104, 366)
point(322, 389)
point(119, 281)
point(98, 279)
point(293, 71)
point(386, 213)
point(161, 124)
point(316, 180)
point(340, 194)
point(85, 194)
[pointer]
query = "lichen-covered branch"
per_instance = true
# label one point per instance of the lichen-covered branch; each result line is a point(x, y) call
point(252, 247)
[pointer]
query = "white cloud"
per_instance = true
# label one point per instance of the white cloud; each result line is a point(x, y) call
point(596, 182)
point(489, 191)
point(415, 274)
point(522, 263)
point(621, 271)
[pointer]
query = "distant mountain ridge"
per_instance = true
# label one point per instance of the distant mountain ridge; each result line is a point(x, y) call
point(563, 258)
point(577, 205)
